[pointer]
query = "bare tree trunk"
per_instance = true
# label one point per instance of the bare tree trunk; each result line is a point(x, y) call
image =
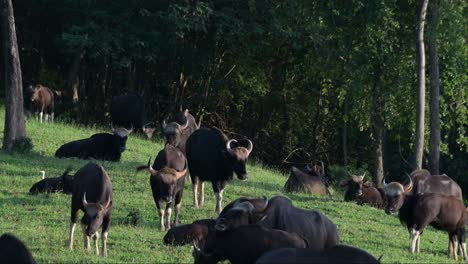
point(421, 98)
point(72, 77)
point(315, 124)
point(345, 131)
point(434, 142)
point(15, 127)
point(378, 123)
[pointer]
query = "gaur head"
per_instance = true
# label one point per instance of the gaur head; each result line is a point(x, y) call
point(35, 93)
point(354, 185)
point(395, 193)
point(242, 212)
point(148, 131)
point(94, 214)
point(121, 136)
point(238, 157)
point(169, 177)
point(173, 131)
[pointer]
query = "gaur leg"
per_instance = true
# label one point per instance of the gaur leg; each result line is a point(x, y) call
point(178, 203)
point(52, 117)
point(218, 188)
point(46, 117)
point(96, 246)
point(414, 238)
point(452, 238)
point(73, 219)
point(195, 181)
point(168, 214)
point(201, 193)
point(417, 243)
point(160, 206)
point(40, 116)
point(462, 242)
point(104, 234)
point(84, 224)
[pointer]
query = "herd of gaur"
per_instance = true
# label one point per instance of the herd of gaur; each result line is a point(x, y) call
point(247, 230)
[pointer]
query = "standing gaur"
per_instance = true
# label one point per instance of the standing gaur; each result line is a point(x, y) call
point(211, 157)
point(167, 182)
point(101, 146)
point(178, 131)
point(128, 111)
point(417, 210)
point(42, 101)
point(92, 193)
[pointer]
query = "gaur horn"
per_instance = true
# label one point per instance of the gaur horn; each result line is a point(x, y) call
point(383, 181)
point(164, 124)
point(409, 186)
point(108, 201)
point(150, 169)
point(323, 168)
point(85, 203)
point(264, 207)
point(249, 146)
point(183, 172)
point(228, 145)
point(197, 248)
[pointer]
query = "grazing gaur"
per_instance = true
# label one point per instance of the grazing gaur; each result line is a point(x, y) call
point(419, 210)
point(185, 234)
point(279, 213)
point(167, 182)
point(338, 254)
point(244, 244)
point(424, 182)
point(101, 146)
point(178, 131)
point(13, 250)
point(212, 157)
point(128, 111)
point(56, 184)
point(42, 101)
point(301, 181)
point(92, 193)
point(363, 192)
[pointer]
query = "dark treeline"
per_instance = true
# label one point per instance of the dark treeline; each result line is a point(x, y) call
point(328, 80)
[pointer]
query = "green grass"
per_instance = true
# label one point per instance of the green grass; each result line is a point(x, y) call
point(42, 221)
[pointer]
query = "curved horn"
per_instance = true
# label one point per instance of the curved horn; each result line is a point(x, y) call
point(323, 168)
point(364, 175)
point(383, 181)
point(409, 186)
point(228, 144)
point(164, 124)
point(249, 146)
point(112, 127)
point(183, 172)
point(85, 203)
point(197, 248)
point(264, 207)
point(108, 201)
point(150, 169)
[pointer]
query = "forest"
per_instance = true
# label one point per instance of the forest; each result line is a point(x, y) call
point(334, 81)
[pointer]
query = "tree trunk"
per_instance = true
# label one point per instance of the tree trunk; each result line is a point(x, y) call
point(377, 119)
point(434, 142)
point(15, 127)
point(345, 131)
point(421, 95)
point(315, 124)
point(72, 83)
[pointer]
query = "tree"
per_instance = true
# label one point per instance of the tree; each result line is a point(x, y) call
point(434, 142)
point(15, 128)
point(421, 94)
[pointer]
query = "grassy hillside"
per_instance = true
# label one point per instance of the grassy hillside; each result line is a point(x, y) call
point(42, 221)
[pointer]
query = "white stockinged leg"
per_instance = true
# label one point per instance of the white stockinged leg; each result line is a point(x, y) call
point(85, 238)
point(72, 230)
point(96, 246)
point(201, 193)
point(104, 243)
point(219, 200)
point(464, 251)
point(195, 189)
point(40, 116)
point(161, 217)
point(177, 210)
point(414, 238)
point(168, 216)
point(52, 117)
point(455, 250)
point(417, 243)
point(46, 118)
point(450, 248)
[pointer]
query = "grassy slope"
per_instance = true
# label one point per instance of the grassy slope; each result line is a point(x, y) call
point(43, 221)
